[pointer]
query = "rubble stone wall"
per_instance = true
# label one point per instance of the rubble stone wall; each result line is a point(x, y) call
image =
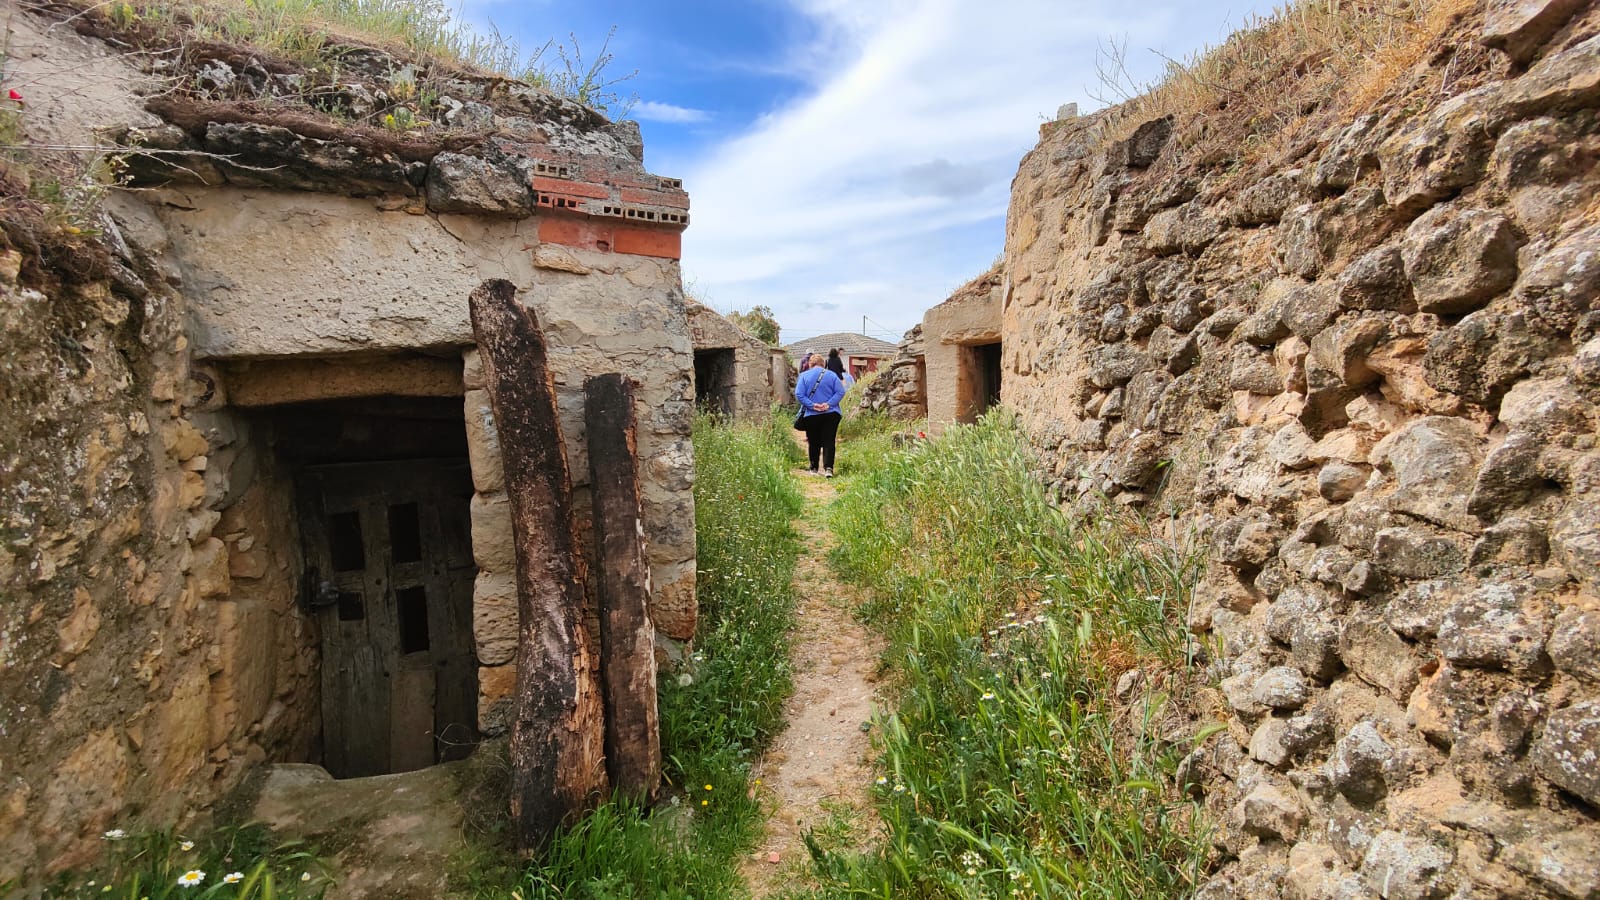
point(1369, 368)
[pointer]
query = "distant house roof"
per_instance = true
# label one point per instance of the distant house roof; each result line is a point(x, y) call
point(849, 344)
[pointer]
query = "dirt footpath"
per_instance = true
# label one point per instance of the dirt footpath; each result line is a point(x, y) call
point(824, 755)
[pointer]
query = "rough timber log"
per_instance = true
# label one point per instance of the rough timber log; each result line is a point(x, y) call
point(627, 636)
point(557, 735)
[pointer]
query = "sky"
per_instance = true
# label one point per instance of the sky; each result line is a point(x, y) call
point(849, 162)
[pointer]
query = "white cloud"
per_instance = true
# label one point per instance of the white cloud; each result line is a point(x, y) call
point(894, 169)
point(652, 111)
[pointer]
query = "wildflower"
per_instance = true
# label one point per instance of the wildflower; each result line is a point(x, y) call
point(305, 876)
point(988, 695)
point(705, 802)
point(685, 680)
point(883, 779)
point(115, 834)
point(708, 787)
point(106, 889)
point(899, 789)
point(233, 878)
point(1047, 602)
point(15, 95)
point(186, 846)
point(191, 878)
point(1046, 676)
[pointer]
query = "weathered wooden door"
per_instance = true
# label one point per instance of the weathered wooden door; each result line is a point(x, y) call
point(390, 571)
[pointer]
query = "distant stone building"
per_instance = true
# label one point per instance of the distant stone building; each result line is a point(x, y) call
point(861, 354)
point(947, 368)
point(961, 352)
point(735, 373)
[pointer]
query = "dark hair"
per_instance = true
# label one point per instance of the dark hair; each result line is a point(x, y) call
point(835, 364)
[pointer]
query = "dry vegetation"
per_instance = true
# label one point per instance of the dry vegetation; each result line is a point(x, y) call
point(1337, 58)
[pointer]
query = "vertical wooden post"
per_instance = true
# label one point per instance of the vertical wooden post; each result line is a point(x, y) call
point(557, 735)
point(627, 636)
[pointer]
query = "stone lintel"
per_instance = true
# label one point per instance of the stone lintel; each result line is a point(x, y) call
point(269, 382)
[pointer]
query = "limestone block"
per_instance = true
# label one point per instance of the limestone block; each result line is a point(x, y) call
point(1358, 764)
point(1568, 753)
point(1497, 626)
point(493, 546)
point(1379, 657)
point(80, 626)
point(477, 185)
point(183, 723)
point(1435, 155)
point(244, 683)
point(209, 569)
point(557, 258)
point(1417, 553)
point(1280, 688)
point(1417, 610)
point(1376, 280)
point(1520, 27)
point(494, 618)
point(497, 686)
point(1563, 284)
point(1564, 860)
point(1265, 202)
point(1486, 352)
point(472, 369)
point(1562, 81)
point(85, 788)
point(483, 444)
point(1272, 811)
point(1575, 643)
point(673, 608)
point(1349, 154)
point(1459, 259)
point(1435, 460)
point(1402, 867)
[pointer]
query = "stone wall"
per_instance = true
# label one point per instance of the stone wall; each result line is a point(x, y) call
point(153, 646)
point(1367, 364)
point(750, 390)
point(899, 390)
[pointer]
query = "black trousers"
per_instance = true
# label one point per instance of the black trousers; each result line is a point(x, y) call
point(822, 432)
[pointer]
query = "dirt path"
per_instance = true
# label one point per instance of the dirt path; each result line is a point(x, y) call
point(820, 768)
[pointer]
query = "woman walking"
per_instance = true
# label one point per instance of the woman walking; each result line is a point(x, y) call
point(819, 392)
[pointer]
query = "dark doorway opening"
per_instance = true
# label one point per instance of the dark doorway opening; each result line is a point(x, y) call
point(988, 393)
point(382, 487)
point(977, 381)
point(714, 380)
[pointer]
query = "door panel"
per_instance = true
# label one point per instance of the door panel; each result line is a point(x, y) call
point(390, 540)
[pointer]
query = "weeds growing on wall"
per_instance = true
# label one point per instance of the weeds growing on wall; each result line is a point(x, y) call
point(235, 863)
point(307, 31)
point(1332, 53)
point(718, 709)
point(1006, 769)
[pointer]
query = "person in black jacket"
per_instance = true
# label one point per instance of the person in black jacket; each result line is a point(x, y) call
point(836, 363)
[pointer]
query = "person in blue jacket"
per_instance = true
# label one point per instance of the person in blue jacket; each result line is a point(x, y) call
point(819, 392)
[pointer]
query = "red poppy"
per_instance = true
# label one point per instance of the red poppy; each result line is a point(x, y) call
point(15, 95)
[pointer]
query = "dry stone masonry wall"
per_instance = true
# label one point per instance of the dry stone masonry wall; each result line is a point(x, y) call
point(1369, 367)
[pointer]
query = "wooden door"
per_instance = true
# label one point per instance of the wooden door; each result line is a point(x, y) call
point(390, 571)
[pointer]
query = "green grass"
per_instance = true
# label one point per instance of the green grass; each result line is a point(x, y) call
point(718, 710)
point(148, 866)
point(1005, 770)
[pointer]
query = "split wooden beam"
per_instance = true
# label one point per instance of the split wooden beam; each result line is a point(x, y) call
point(627, 636)
point(557, 733)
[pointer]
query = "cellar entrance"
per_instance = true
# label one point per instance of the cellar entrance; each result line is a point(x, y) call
point(382, 488)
